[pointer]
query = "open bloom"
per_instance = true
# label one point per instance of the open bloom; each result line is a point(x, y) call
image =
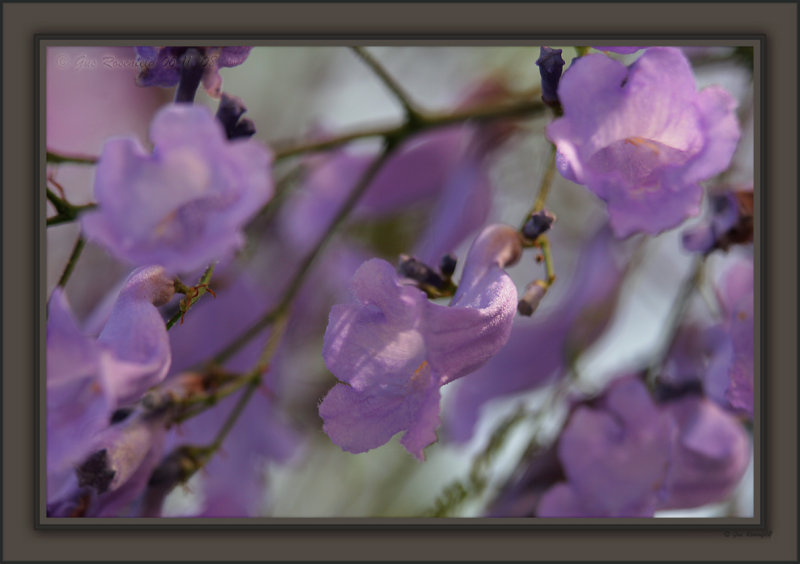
point(393, 349)
point(161, 66)
point(642, 138)
point(184, 204)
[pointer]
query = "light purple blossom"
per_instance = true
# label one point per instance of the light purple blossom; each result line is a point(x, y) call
point(542, 349)
point(643, 138)
point(710, 456)
point(88, 379)
point(393, 349)
point(183, 205)
point(615, 455)
point(161, 66)
point(731, 371)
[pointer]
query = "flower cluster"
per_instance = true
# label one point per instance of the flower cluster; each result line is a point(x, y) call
point(251, 323)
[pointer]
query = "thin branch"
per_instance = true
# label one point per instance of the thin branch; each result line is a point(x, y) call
point(678, 311)
point(294, 286)
point(412, 114)
point(73, 259)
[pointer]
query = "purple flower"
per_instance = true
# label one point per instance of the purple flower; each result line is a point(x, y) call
point(615, 454)
point(161, 66)
point(731, 372)
point(87, 379)
point(79, 403)
point(183, 205)
point(710, 456)
point(541, 350)
point(393, 349)
point(642, 138)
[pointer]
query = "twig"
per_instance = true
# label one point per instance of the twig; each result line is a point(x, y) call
point(73, 259)
point(412, 114)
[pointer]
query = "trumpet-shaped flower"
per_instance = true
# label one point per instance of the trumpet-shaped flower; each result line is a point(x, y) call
point(393, 349)
point(183, 205)
point(643, 138)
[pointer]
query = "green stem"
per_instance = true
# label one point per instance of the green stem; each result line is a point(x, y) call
point(73, 259)
point(201, 289)
point(544, 185)
point(66, 212)
point(550, 273)
point(296, 282)
point(412, 114)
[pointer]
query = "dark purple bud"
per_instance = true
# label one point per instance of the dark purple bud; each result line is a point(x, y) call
point(534, 292)
point(120, 415)
point(192, 69)
point(420, 272)
point(230, 113)
point(670, 391)
point(551, 65)
point(447, 266)
point(538, 224)
point(95, 472)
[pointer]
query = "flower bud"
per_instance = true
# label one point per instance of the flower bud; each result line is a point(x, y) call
point(534, 292)
point(538, 224)
point(551, 65)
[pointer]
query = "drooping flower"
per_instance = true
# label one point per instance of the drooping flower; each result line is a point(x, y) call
point(542, 349)
point(88, 379)
point(393, 349)
point(183, 205)
point(643, 138)
point(731, 372)
point(710, 456)
point(624, 455)
point(161, 66)
point(615, 456)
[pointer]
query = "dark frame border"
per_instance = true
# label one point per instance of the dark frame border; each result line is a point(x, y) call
point(752, 525)
point(452, 553)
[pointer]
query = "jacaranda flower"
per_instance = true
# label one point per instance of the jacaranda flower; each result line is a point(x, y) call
point(643, 138)
point(393, 349)
point(161, 66)
point(183, 205)
point(615, 456)
point(88, 379)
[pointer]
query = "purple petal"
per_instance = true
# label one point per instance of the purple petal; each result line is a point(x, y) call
point(711, 456)
point(184, 205)
point(616, 456)
point(136, 335)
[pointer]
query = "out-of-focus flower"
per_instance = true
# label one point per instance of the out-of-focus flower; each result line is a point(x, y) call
point(108, 481)
point(161, 66)
point(183, 205)
point(393, 349)
point(710, 456)
point(88, 379)
point(539, 351)
point(623, 455)
point(730, 376)
point(730, 222)
point(642, 138)
point(615, 454)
